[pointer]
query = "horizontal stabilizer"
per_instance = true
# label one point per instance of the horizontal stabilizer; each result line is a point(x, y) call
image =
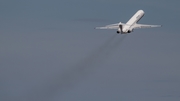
point(117, 24)
point(107, 27)
point(112, 26)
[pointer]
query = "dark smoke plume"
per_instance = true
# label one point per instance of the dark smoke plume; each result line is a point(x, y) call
point(82, 68)
point(62, 83)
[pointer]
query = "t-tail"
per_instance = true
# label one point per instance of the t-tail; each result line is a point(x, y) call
point(120, 30)
point(121, 27)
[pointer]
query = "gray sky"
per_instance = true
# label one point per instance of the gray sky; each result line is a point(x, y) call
point(49, 51)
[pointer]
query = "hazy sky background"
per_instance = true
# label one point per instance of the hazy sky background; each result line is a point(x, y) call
point(50, 51)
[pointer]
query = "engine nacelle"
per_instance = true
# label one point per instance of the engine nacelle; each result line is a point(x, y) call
point(118, 31)
point(129, 31)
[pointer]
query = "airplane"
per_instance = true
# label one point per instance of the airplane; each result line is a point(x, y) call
point(128, 27)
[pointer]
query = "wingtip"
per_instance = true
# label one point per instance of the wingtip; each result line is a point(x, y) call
point(97, 28)
point(159, 25)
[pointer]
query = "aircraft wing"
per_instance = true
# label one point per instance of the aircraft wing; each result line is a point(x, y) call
point(138, 26)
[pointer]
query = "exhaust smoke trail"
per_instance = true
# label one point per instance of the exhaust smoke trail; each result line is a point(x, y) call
point(63, 82)
point(115, 45)
point(81, 69)
point(111, 47)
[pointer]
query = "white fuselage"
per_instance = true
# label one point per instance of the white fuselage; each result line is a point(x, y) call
point(132, 24)
point(134, 19)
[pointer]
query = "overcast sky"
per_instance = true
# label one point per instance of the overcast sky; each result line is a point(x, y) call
point(50, 51)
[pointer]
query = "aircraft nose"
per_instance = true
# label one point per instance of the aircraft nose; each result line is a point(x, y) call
point(141, 11)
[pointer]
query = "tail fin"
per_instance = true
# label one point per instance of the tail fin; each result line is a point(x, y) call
point(121, 27)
